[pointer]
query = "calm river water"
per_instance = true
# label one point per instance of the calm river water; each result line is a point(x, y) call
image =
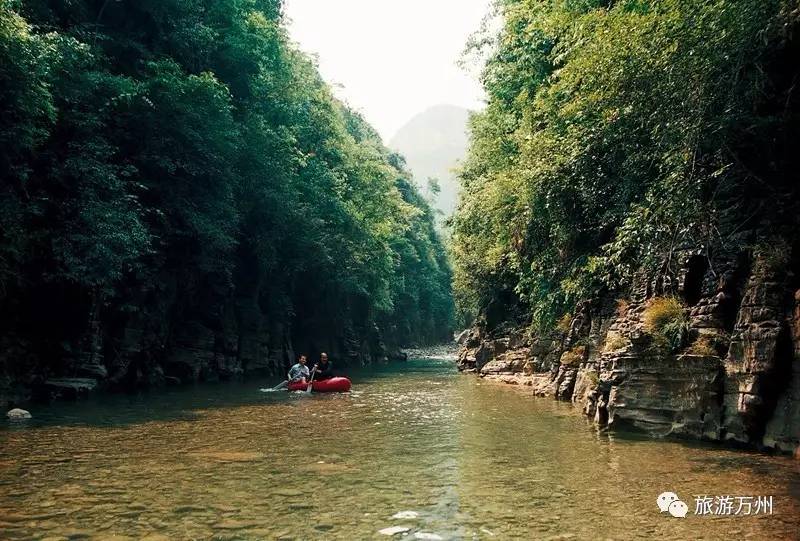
point(474, 460)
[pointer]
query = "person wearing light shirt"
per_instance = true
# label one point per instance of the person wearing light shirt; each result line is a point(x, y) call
point(299, 372)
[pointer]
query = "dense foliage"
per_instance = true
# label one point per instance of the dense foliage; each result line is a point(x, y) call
point(187, 147)
point(616, 131)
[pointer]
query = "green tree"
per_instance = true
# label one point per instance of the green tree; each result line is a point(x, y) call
point(615, 131)
point(161, 158)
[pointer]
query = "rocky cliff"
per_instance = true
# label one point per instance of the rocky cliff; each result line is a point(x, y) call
point(733, 375)
point(177, 330)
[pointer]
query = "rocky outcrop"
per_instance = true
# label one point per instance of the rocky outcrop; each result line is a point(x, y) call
point(66, 388)
point(513, 361)
point(733, 377)
point(674, 396)
point(759, 357)
point(783, 429)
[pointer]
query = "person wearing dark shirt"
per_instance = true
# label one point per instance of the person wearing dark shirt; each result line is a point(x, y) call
point(324, 367)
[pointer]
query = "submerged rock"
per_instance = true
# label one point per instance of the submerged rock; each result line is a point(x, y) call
point(18, 414)
point(155, 537)
point(394, 530)
point(231, 524)
point(405, 515)
point(227, 456)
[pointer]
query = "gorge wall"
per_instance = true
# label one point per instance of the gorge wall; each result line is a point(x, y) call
point(183, 198)
point(734, 377)
point(176, 331)
point(627, 238)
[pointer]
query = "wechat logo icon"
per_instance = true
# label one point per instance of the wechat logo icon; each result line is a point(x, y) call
point(669, 502)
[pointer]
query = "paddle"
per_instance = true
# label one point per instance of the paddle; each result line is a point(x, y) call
point(311, 381)
point(279, 387)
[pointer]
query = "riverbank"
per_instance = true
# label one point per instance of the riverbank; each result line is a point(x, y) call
point(184, 367)
point(728, 375)
point(71, 389)
point(628, 236)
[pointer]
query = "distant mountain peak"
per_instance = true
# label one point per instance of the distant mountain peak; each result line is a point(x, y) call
point(433, 143)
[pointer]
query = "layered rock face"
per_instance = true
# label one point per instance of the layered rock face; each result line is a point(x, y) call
point(178, 332)
point(734, 377)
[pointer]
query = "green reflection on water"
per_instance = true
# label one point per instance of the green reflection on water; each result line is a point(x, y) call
point(475, 460)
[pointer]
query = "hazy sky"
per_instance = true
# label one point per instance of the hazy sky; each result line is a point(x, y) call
point(392, 58)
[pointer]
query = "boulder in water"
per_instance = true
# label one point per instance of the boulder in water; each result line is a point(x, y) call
point(18, 414)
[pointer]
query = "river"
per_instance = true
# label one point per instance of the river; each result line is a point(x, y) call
point(474, 460)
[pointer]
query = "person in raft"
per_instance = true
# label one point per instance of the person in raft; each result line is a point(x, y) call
point(299, 372)
point(324, 368)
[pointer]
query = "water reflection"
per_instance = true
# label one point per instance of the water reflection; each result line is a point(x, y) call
point(476, 461)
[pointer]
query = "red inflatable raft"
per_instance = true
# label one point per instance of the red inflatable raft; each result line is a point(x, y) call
point(332, 385)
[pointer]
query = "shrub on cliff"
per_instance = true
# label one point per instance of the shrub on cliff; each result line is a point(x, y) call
point(614, 341)
point(564, 323)
point(710, 345)
point(574, 356)
point(704, 345)
point(666, 321)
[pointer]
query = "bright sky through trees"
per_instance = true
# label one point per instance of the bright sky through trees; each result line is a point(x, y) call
point(390, 60)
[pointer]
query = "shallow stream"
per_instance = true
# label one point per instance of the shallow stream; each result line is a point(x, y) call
point(473, 460)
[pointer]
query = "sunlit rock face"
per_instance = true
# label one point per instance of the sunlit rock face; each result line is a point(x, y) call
point(759, 360)
point(734, 377)
point(677, 396)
